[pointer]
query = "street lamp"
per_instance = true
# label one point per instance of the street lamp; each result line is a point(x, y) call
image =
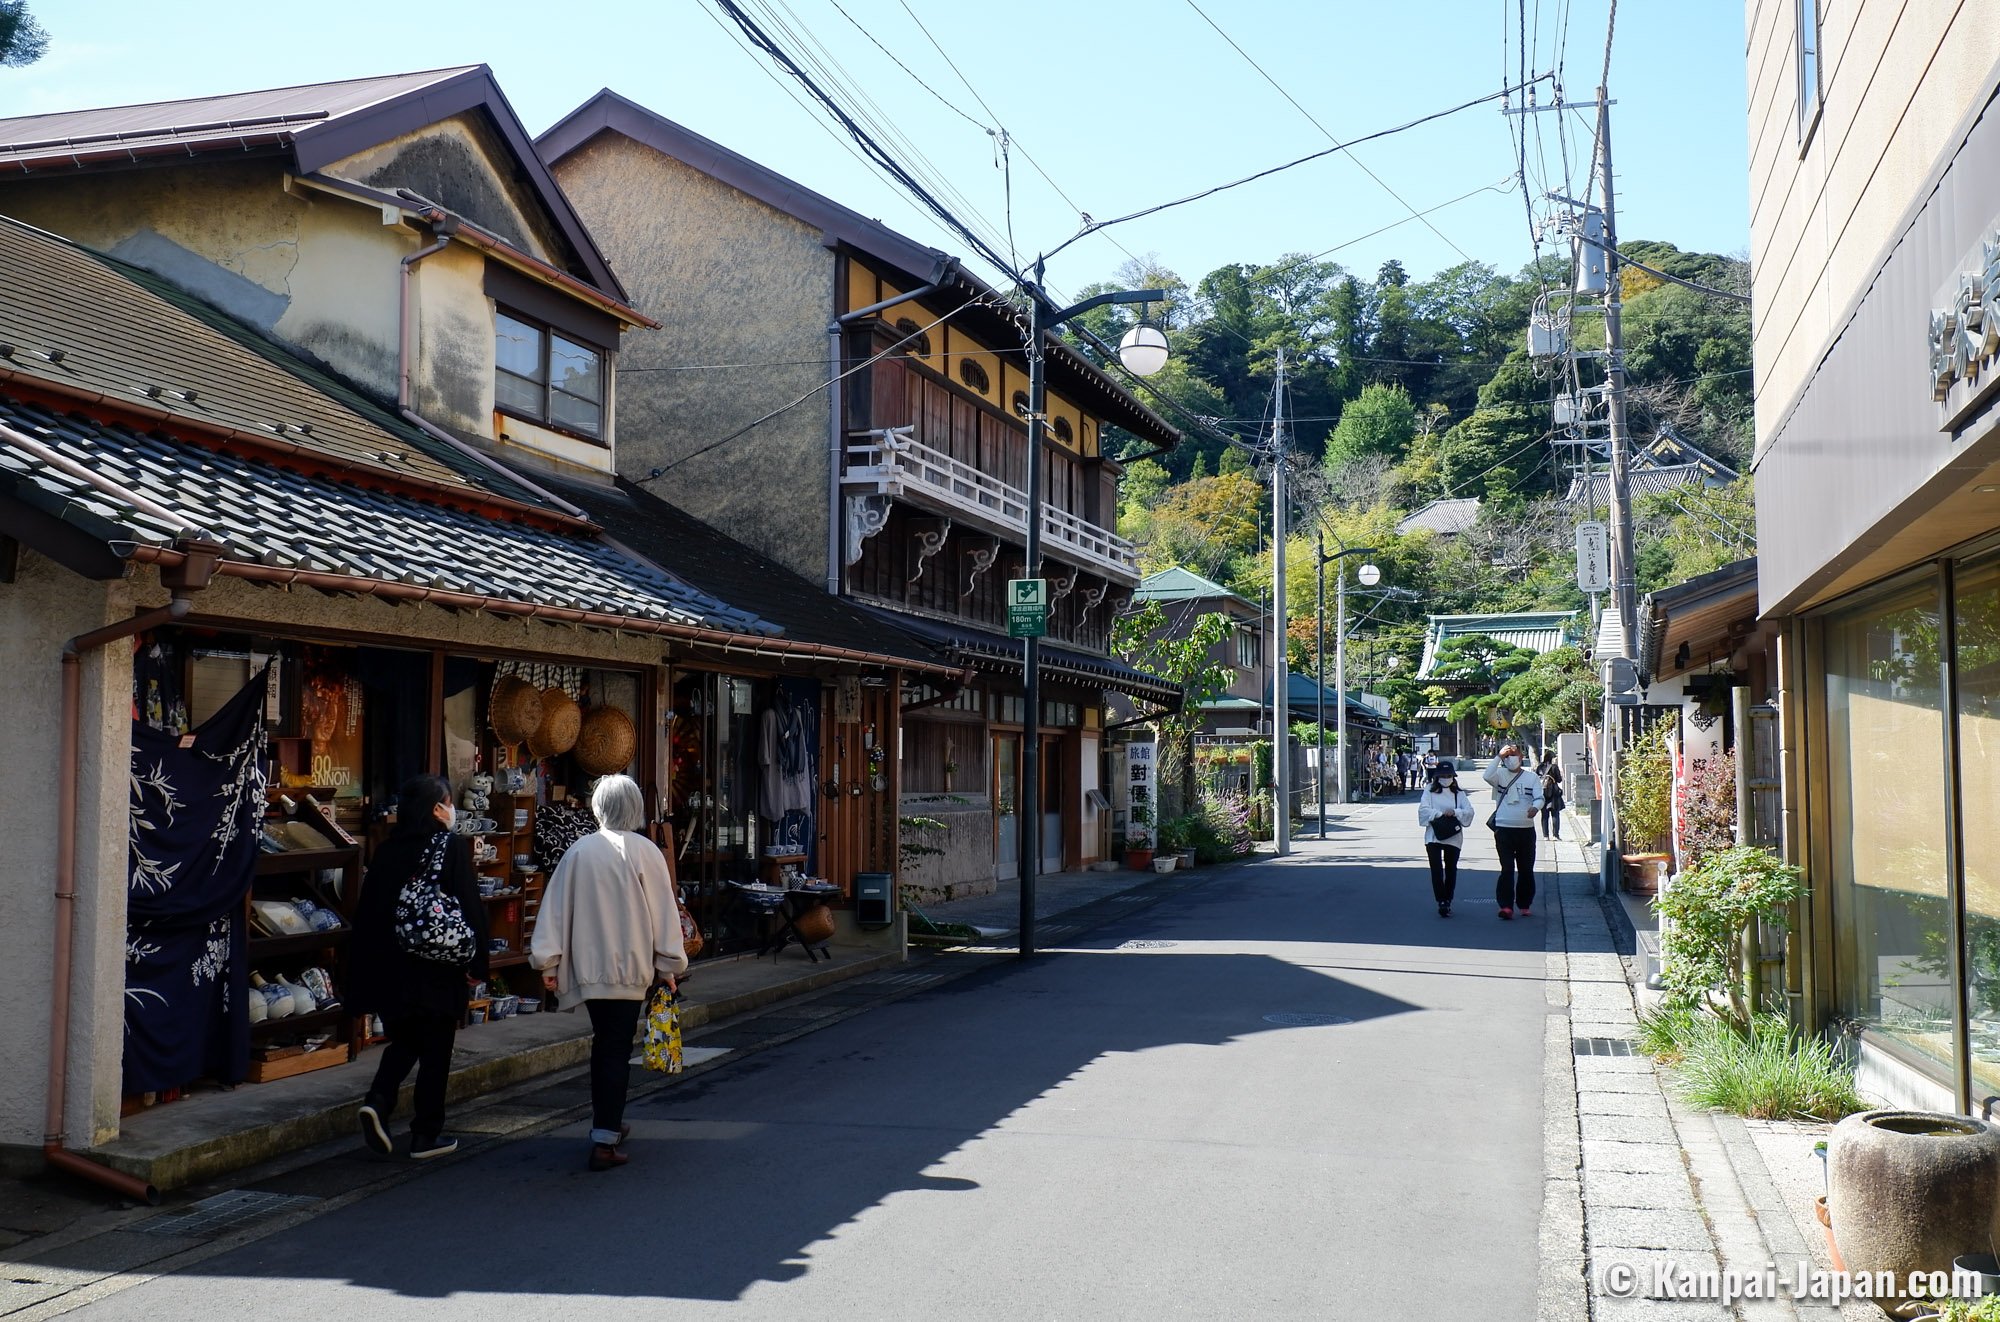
point(1143, 351)
point(1369, 576)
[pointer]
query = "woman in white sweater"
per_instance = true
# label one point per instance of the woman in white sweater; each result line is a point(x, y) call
point(1517, 800)
point(1444, 811)
point(608, 931)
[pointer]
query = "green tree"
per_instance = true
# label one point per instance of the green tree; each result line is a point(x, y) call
point(22, 39)
point(1381, 420)
point(1183, 660)
point(1558, 688)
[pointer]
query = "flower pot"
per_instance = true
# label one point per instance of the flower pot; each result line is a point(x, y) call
point(1140, 859)
point(1165, 863)
point(1645, 873)
point(1909, 1191)
point(1187, 858)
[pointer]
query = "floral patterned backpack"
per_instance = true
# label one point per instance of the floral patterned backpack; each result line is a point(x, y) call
point(429, 924)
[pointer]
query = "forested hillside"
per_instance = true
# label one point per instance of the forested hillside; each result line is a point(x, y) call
point(1401, 392)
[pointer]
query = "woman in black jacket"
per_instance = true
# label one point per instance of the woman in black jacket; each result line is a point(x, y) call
point(420, 1001)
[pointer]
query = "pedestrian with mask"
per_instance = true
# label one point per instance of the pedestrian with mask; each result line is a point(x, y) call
point(420, 998)
point(608, 931)
point(1444, 811)
point(1517, 800)
point(1553, 799)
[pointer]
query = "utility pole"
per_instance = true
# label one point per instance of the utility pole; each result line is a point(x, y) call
point(1623, 581)
point(1281, 673)
point(1319, 672)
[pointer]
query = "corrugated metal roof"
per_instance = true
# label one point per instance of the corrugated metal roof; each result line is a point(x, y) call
point(247, 118)
point(1432, 714)
point(271, 515)
point(78, 321)
point(1539, 631)
point(1180, 584)
point(1610, 640)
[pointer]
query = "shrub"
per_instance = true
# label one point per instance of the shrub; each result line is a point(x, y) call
point(1711, 908)
point(1177, 833)
point(1222, 828)
point(1770, 1074)
point(1646, 792)
point(1708, 819)
point(1667, 1032)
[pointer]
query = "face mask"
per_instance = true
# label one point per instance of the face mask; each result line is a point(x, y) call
point(1511, 763)
point(450, 816)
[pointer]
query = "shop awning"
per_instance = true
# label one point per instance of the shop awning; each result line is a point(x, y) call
point(1691, 625)
point(1000, 655)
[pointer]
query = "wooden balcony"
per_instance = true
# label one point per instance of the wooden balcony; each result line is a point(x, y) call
point(892, 463)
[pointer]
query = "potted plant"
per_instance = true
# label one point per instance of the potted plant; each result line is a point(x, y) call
point(1139, 838)
point(1646, 811)
point(1908, 1191)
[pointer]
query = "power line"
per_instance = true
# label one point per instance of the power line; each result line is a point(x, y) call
point(1266, 76)
point(1097, 225)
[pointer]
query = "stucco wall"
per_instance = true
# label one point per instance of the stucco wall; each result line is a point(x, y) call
point(735, 283)
point(43, 607)
point(460, 164)
point(963, 865)
point(1897, 76)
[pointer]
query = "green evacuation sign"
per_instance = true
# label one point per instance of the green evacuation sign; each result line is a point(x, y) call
point(1027, 607)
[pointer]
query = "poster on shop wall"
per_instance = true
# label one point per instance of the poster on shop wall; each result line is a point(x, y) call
point(330, 711)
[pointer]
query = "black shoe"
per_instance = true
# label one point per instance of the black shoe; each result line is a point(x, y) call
point(423, 1149)
point(1444, 908)
point(373, 1132)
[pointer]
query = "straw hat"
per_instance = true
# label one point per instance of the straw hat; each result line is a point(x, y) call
point(515, 710)
point(606, 741)
point(561, 719)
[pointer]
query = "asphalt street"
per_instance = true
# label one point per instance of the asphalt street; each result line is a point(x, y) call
point(1293, 1092)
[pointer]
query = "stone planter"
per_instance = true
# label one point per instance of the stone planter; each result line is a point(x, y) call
point(1909, 1191)
point(1646, 873)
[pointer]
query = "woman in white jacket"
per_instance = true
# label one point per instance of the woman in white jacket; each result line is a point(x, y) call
point(1444, 811)
point(609, 930)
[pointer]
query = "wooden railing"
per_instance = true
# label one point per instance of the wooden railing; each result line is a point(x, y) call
point(895, 465)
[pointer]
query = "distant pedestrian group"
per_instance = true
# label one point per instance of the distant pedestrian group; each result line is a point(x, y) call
point(1520, 798)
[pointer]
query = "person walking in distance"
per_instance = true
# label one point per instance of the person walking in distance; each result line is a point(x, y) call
point(1517, 799)
point(1444, 811)
point(419, 999)
point(608, 930)
point(1552, 800)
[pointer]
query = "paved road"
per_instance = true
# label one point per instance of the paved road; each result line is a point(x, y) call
point(1119, 1129)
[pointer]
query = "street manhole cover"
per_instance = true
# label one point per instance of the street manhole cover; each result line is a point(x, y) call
point(1148, 945)
point(222, 1212)
point(1291, 1019)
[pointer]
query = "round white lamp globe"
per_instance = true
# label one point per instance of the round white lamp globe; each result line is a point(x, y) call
point(1369, 575)
point(1143, 350)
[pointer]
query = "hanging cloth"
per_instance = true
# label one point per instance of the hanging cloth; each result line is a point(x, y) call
point(197, 811)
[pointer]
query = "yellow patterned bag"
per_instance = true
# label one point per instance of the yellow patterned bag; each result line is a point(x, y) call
point(663, 1033)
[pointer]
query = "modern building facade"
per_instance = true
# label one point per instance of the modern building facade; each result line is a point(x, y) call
point(1875, 215)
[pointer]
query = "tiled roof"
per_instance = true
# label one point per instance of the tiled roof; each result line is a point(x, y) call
point(1178, 584)
point(1539, 631)
point(277, 517)
point(1432, 714)
point(81, 322)
point(1596, 489)
point(1443, 516)
point(719, 564)
point(993, 652)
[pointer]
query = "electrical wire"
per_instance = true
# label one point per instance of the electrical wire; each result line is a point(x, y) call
point(1327, 133)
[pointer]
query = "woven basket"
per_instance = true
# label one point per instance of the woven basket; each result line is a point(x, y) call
point(561, 720)
point(515, 710)
point(815, 925)
point(605, 742)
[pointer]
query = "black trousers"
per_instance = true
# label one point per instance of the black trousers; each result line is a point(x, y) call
point(423, 1041)
point(1516, 888)
point(1444, 870)
point(613, 1025)
point(1552, 821)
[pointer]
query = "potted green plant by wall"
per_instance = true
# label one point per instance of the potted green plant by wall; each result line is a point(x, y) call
point(1646, 811)
point(1139, 838)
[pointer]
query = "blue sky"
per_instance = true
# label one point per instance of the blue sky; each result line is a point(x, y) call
point(1124, 104)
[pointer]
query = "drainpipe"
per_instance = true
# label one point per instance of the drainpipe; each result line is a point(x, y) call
point(836, 427)
point(183, 579)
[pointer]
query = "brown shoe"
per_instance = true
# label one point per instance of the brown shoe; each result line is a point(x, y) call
point(604, 1157)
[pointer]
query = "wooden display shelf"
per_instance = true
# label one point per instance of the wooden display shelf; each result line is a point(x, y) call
point(509, 959)
point(270, 1071)
point(299, 1022)
point(307, 860)
point(272, 947)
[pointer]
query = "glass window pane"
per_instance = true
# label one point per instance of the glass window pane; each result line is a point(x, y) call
point(582, 414)
point(517, 347)
point(516, 395)
point(1885, 730)
point(576, 370)
point(1978, 661)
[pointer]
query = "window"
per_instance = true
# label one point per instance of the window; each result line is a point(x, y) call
point(1249, 648)
point(1808, 62)
point(1062, 430)
point(543, 376)
point(918, 344)
point(974, 376)
point(1021, 403)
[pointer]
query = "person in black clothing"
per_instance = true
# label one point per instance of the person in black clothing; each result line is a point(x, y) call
point(420, 1001)
point(1552, 800)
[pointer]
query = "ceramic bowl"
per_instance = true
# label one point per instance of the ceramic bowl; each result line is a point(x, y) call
point(530, 1005)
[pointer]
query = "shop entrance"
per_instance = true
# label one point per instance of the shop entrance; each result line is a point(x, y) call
point(1006, 806)
point(1054, 789)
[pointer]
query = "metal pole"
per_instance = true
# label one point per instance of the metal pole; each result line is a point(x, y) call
point(1340, 673)
point(1623, 582)
point(1281, 688)
point(1319, 673)
point(1030, 805)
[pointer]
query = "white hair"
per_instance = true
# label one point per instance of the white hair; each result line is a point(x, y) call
point(619, 804)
